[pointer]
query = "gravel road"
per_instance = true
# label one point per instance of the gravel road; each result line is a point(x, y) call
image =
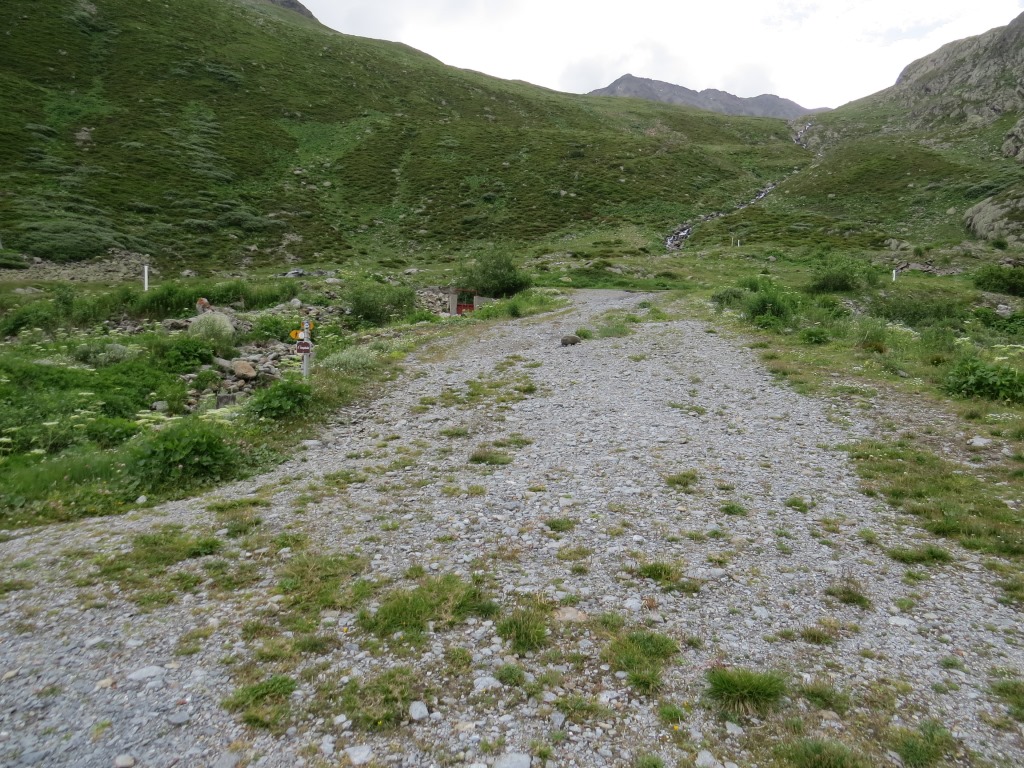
point(773, 518)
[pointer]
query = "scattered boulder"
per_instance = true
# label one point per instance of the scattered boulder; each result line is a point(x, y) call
point(243, 369)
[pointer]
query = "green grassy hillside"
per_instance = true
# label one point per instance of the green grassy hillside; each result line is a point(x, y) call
point(876, 177)
point(211, 126)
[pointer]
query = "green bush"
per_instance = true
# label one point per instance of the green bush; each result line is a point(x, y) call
point(284, 399)
point(837, 275)
point(352, 360)
point(185, 454)
point(214, 327)
point(272, 328)
point(37, 314)
point(1000, 279)
point(744, 691)
point(973, 377)
point(181, 354)
point(917, 307)
point(380, 304)
point(728, 297)
point(770, 306)
point(496, 275)
point(107, 432)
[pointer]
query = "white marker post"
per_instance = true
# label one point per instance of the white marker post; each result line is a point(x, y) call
point(145, 277)
point(894, 275)
point(307, 344)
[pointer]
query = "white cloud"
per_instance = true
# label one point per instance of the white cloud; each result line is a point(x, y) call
point(815, 52)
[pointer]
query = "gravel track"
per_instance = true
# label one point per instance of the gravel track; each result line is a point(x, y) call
point(88, 678)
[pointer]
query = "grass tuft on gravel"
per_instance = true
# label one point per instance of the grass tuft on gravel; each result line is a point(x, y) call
point(741, 691)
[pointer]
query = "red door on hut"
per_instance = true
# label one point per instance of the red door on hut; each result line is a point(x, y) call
point(463, 301)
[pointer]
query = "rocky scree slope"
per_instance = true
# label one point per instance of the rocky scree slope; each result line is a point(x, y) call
point(97, 667)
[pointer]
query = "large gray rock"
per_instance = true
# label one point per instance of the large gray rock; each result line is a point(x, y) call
point(243, 369)
point(513, 760)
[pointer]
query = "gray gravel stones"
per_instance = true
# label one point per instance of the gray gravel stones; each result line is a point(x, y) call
point(87, 676)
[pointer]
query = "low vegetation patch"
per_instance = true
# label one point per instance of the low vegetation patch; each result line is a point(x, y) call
point(265, 704)
point(923, 747)
point(927, 554)
point(445, 600)
point(684, 481)
point(823, 753)
point(526, 629)
point(641, 655)
point(381, 702)
point(668, 576)
point(742, 691)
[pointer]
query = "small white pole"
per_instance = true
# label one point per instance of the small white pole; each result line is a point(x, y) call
point(894, 275)
point(145, 277)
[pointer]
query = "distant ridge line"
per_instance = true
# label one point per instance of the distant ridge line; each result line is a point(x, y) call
point(765, 105)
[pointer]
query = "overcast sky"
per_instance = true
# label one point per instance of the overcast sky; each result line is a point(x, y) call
point(820, 53)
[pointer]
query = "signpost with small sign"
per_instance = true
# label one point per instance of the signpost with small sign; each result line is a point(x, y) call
point(304, 344)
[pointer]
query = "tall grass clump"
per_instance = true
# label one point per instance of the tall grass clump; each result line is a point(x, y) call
point(352, 360)
point(186, 454)
point(822, 753)
point(917, 307)
point(973, 377)
point(379, 303)
point(496, 275)
point(840, 275)
point(770, 306)
point(745, 692)
point(1000, 279)
point(214, 327)
point(523, 304)
point(285, 399)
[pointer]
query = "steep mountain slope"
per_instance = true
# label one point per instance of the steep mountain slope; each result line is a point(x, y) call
point(260, 134)
point(765, 105)
point(926, 161)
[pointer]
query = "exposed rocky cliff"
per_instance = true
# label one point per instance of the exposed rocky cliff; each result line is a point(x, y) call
point(293, 5)
point(765, 105)
point(978, 78)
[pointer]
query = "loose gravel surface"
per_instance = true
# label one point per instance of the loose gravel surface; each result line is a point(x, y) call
point(98, 668)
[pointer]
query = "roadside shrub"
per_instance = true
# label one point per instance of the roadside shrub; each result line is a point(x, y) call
point(99, 354)
point(837, 275)
point(917, 307)
point(283, 400)
point(728, 297)
point(272, 327)
point(352, 360)
point(496, 275)
point(814, 335)
point(181, 354)
point(1000, 279)
point(380, 304)
point(107, 432)
point(770, 306)
point(973, 377)
point(184, 454)
point(214, 327)
point(37, 314)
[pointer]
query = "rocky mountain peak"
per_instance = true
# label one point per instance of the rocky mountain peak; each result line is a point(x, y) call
point(978, 77)
point(293, 5)
point(765, 105)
